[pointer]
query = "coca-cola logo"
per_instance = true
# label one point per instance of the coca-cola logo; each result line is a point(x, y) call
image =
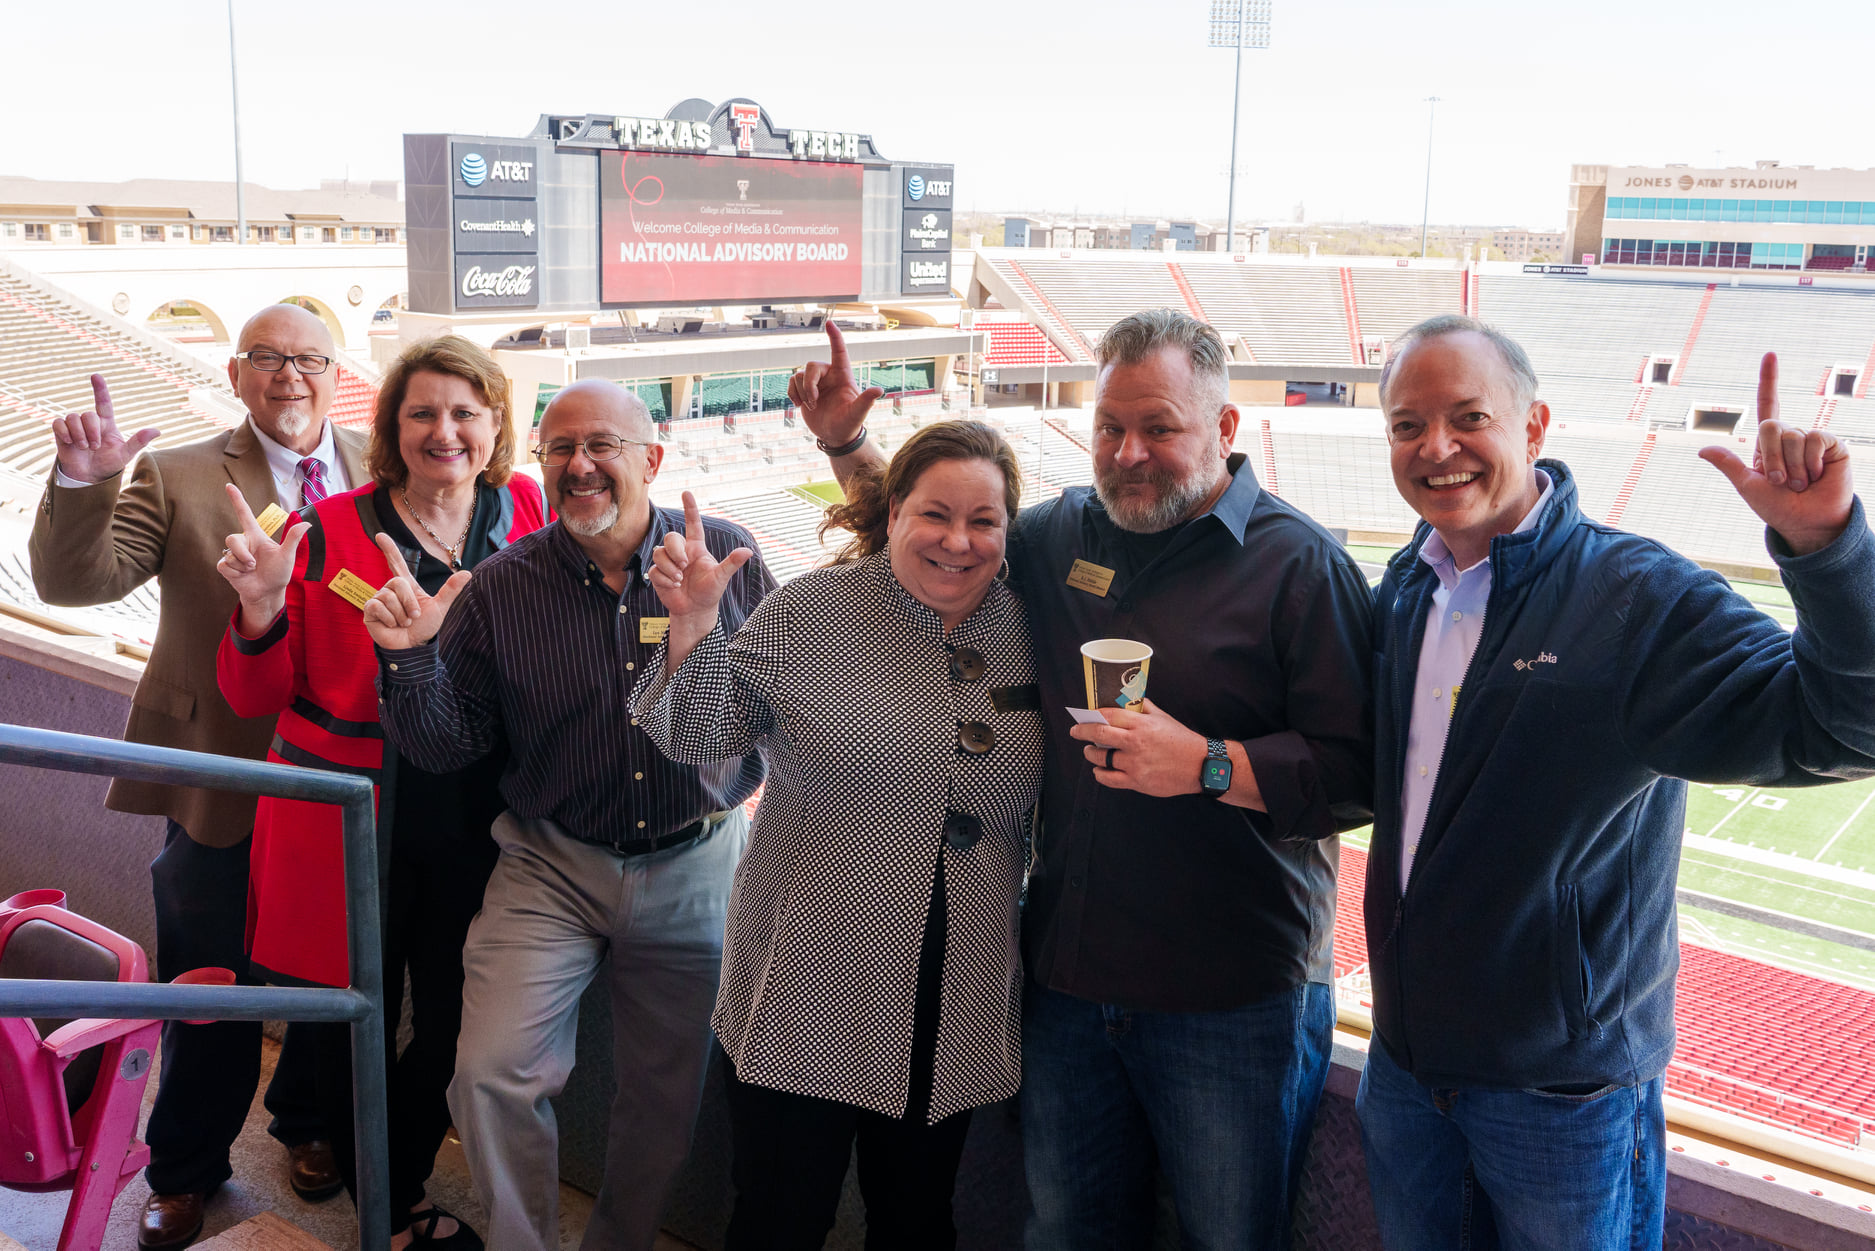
point(492, 283)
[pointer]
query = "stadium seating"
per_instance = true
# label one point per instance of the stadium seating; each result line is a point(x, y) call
point(356, 399)
point(1014, 274)
point(1337, 475)
point(1016, 342)
point(1684, 502)
point(1589, 338)
point(1091, 296)
point(1812, 329)
point(49, 348)
point(1284, 313)
point(1390, 301)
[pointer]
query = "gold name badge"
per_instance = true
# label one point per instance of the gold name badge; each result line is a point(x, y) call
point(1089, 577)
point(272, 519)
point(653, 629)
point(353, 589)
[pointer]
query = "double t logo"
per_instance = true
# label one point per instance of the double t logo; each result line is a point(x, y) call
point(744, 117)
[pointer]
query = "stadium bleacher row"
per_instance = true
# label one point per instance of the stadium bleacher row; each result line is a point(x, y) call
point(1591, 339)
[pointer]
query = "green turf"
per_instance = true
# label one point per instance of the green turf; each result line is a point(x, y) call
point(820, 493)
point(1831, 825)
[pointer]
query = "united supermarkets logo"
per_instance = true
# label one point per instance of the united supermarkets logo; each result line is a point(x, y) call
point(474, 169)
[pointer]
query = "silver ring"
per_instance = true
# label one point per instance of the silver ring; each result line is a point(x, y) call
point(1110, 752)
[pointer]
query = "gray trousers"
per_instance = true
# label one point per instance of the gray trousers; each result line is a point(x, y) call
point(555, 909)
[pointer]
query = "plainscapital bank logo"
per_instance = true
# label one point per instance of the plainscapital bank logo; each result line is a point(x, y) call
point(494, 284)
point(474, 169)
point(915, 187)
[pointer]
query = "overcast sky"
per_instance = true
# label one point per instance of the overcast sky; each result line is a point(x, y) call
point(1097, 105)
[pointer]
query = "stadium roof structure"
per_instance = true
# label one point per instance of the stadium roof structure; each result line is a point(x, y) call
point(377, 202)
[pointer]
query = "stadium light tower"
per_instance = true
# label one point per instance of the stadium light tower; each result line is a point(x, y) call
point(1425, 211)
point(240, 188)
point(1237, 24)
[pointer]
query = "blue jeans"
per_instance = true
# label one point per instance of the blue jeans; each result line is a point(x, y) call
point(1226, 1099)
point(1482, 1169)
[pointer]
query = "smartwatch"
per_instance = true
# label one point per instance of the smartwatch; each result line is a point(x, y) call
point(1215, 780)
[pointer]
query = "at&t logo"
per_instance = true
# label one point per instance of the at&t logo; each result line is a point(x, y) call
point(474, 169)
point(915, 188)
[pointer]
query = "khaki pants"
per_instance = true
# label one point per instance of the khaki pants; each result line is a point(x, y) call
point(555, 909)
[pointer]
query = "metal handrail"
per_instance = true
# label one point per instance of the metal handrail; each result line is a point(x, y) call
point(362, 1003)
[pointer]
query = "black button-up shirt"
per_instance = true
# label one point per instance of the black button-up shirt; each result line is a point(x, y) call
point(539, 651)
point(1260, 625)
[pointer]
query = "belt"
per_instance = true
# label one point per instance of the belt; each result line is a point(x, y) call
point(676, 838)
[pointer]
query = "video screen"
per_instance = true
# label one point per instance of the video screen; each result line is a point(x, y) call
point(724, 229)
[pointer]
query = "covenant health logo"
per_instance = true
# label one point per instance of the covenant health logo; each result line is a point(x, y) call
point(913, 188)
point(475, 170)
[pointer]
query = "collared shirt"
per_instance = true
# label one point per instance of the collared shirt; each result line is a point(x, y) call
point(539, 652)
point(1260, 625)
point(1453, 625)
point(283, 464)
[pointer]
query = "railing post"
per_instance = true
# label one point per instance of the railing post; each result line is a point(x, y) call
point(362, 1004)
point(369, 1088)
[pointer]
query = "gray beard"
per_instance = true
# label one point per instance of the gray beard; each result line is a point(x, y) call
point(1175, 503)
point(291, 423)
point(596, 526)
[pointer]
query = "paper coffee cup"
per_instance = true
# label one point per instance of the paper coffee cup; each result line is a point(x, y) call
point(1116, 672)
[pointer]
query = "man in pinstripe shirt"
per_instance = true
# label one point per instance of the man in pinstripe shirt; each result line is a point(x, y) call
point(607, 847)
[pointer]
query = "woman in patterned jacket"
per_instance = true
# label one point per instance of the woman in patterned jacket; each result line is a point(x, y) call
point(871, 983)
point(445, 495)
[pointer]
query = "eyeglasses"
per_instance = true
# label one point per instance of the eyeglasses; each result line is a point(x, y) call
point(975, 738)
point(274, 362)
point(967, 664)
point(598, 447)
point(961, 830)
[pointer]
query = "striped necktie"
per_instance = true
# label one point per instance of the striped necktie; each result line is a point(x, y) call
point(312, 473)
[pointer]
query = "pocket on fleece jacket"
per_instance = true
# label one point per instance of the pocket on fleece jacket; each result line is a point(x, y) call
point(1575, 981)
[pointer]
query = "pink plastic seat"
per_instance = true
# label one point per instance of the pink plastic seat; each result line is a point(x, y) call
point(71, 1091)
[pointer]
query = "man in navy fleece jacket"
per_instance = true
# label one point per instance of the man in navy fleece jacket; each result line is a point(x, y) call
point(1543, 684)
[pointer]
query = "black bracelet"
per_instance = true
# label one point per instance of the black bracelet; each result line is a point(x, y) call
point(845, 449)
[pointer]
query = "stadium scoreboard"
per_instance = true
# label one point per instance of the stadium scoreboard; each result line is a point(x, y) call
point(710, 204)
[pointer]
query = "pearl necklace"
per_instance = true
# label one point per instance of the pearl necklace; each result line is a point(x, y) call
point(454, 549)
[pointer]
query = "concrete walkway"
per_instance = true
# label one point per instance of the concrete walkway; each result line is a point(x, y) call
point(260, 1185)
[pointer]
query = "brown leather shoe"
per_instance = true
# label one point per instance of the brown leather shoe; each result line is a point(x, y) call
point(170, 1221)
point(312, 1172)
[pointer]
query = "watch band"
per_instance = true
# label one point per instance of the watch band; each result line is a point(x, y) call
point(845, 449)
point(1215, 751)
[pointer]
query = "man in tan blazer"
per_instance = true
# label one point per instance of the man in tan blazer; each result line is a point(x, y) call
point(99, 535)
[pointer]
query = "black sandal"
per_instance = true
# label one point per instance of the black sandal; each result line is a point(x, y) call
point(464, 1239)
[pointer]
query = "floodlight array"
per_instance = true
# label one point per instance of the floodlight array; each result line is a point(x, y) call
point(1231, 19)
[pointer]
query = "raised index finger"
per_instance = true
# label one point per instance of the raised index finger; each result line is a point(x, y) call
point(836, 342)
point(242, 512)
point(101, 397)
point(1767, 388)
point(693, 520)
point(393, 557)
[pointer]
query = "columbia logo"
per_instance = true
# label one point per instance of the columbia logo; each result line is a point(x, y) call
point(1543, 658)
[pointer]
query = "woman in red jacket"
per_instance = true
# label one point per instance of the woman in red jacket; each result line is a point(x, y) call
point(445, 496)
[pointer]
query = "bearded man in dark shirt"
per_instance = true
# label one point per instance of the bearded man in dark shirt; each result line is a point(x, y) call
point(1182, 890)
